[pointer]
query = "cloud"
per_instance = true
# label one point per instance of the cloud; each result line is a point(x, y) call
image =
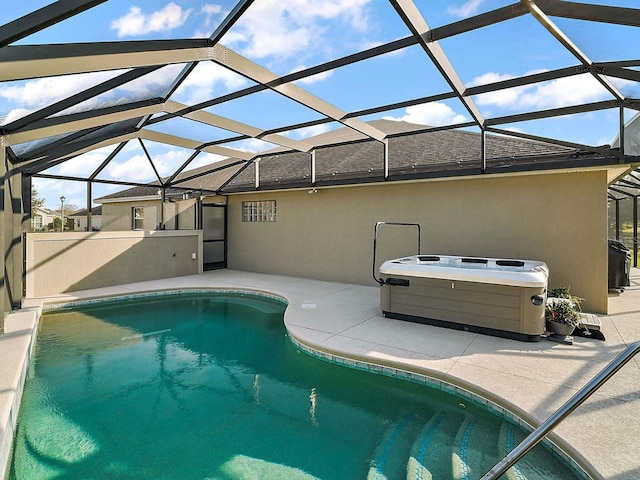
point(211, 11)
point(205, 81)
point(137, 23)
point(561, 92)
point(14, 114)
point(86, 164)
point(205, 158)
point(306, 132)
point(286, 29)
point(433, 114)
point(467, 9)
point(137, 167)
point(51, 190)
point(35, 94)
point(251, 145)
point(318, 77)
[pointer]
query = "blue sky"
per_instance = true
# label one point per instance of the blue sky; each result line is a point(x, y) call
point(286, 36)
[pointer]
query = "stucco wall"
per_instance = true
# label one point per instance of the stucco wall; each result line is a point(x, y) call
point(64, 262)
point(559, 218)
point(116, 216)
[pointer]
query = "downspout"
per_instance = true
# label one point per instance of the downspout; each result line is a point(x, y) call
point(89, 195)
point(635, 231)
point(163, 197)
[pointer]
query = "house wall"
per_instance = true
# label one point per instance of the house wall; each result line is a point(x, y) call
point(558, 218)
point(71, 261)
point(117, 216)
point(80, 223)
point(180, 214)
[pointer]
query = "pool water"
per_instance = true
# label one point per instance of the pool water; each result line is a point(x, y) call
point(208, 386)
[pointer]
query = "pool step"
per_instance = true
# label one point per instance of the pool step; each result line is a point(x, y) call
point(458, 446)
point(538, 464)
point(475, 449)
point(418, 466)
point(430, 456)
point(388, 461)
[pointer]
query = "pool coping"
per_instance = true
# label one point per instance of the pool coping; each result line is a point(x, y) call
point(330, 317)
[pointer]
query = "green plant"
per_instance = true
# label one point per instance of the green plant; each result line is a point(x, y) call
point(562, 311)
point(562, 307)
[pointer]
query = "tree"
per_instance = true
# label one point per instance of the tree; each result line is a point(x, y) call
point(36, 201)
point(71, 207)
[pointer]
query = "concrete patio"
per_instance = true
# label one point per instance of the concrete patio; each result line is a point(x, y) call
point(530, 380)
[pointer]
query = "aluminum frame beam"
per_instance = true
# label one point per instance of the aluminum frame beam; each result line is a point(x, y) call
point(478, 21)
point(245, 67)
point(543, 19)
point(192, 144)
point(36, 61)
point(590, 12)
point(81, 121)
point(235, 126)
point(418, 26)
point(28, 120)
point(43, 18)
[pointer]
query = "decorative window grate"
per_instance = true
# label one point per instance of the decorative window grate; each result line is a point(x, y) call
point(259, 211)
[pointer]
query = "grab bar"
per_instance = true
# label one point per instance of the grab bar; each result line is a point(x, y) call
point(563, 412)
point(375, 241)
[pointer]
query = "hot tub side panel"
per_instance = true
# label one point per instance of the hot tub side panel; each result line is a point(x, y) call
point(502, 310)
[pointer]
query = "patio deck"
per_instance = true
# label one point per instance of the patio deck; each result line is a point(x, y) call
point(529, 379)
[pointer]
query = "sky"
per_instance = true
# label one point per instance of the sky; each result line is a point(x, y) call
point(287, 36)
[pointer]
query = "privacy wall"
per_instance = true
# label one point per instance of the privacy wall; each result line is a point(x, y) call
point(558, 218)
point(66, 262)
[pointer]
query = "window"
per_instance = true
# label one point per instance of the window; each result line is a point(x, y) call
point(36, 222)
point(137, 214)
point(259, 211)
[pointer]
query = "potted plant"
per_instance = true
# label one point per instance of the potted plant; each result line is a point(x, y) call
point(562, 311)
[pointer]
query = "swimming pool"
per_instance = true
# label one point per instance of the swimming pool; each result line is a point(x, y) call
point(209, 386)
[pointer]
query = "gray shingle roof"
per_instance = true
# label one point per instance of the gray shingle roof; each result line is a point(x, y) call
point(345, 156)
point(413, 149)
point(82, 213)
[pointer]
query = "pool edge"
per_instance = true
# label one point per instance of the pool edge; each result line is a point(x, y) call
point(20, 336)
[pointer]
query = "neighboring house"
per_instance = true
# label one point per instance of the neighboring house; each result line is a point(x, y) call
point(312, 214)
point(79, 219)
point(42, 219)
point(141, 208)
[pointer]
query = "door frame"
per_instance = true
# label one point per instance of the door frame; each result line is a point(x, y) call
point(215, 265)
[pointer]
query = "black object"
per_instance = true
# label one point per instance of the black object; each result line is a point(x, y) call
point(475, 260)
point(537, 300)
point(619, 265)
point(586, 332)
point(510, 263)
point(397, 282)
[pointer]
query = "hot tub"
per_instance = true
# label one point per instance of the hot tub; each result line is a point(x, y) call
point(494, 296)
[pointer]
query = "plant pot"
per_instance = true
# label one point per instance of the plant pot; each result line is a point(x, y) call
point(560, 328)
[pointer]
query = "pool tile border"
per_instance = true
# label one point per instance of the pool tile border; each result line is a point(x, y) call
point(70, 304)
